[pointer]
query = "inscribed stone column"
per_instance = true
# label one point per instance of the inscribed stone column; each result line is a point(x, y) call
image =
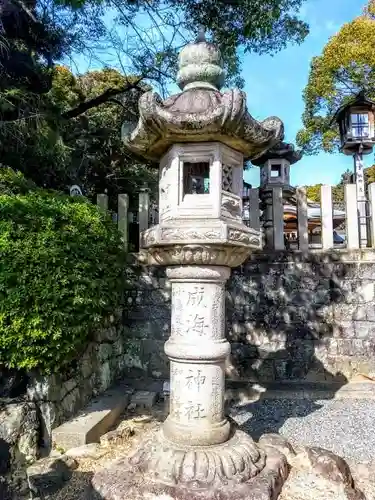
point(200, 138)
point(197, 350)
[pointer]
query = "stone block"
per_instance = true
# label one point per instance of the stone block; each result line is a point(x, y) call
point(44, 388)
point(370, 311)
point(344, 329)
point(49, 474)
point(364, 329)
point(117, 437)
point(92, 451)
point(19, 433)
point(260, 370)
point(71, 402)
point(365, 271)
point(105, 376)
point(158, 363)
point(358, 347)
point(118, 347)
point(94, 421)
point(109, 334)
point(87, 361)
point(347, 312)
point(144, 399)
point(68, 386)
point(104, 352)
point(134, 362)
point(345, 347)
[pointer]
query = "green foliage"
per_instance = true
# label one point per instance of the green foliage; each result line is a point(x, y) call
point(60, 129)
point(12, 182)
point(313, 192)
point(370, 175)
point(85, 150)
point(62, 272)
point(346, 66)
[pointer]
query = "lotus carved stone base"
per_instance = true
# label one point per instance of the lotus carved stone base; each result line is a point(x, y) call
point(237, 469)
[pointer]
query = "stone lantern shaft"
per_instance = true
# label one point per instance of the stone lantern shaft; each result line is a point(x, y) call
point(197, 350)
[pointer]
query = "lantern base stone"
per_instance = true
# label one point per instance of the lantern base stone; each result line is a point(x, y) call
point(161, 470)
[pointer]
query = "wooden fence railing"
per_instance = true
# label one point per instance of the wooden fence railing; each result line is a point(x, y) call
point(315, 225)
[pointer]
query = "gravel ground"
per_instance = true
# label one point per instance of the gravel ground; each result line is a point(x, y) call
point(345, 427)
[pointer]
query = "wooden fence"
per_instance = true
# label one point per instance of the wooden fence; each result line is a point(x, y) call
point(357, 232)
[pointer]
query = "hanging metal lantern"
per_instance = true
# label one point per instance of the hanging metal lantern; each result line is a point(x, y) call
point(356, 123)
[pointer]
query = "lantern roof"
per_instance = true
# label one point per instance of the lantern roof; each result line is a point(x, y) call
point(200, 112)
point(282, 151)
point(359, 100)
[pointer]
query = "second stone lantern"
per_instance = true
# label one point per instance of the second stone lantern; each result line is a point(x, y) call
point(200, 137)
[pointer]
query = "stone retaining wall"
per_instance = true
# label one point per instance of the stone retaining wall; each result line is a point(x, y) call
point(290, 317)
point(26, 422)
point(61, 396)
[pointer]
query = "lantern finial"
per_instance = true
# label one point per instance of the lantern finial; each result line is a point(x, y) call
point(201, 34)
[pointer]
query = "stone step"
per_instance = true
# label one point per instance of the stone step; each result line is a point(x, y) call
point(94, 420)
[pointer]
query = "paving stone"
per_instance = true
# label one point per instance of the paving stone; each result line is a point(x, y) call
point(93, 421)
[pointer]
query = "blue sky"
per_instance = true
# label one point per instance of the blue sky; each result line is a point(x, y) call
point(274, 86)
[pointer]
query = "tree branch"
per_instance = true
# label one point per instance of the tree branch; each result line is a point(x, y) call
point(100, 99)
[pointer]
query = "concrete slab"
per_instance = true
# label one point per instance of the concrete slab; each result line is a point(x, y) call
point(94, 421)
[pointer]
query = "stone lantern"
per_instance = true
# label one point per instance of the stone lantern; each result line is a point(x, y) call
point(356, 121)
point(275, 173)
point(200, 137)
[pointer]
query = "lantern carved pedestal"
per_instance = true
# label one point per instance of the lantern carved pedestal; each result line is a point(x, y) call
point(200, 138)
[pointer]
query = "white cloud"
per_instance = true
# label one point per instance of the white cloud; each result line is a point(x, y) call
point(331, 26)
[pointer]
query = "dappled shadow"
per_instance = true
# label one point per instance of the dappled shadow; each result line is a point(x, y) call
point(147, 320)
point(5, 490)
point(269, 415)
point(281, 317)
point(77, 487)
point(284, 321)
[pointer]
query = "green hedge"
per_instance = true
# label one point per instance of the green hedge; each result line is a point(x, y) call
point(62, 272)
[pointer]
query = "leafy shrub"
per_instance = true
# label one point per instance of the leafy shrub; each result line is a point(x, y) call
point(12, 182)
point(62, 271)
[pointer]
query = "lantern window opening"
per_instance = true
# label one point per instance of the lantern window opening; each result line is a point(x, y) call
point(276, 170)
point(227, 178)
point(359, 124)
point(196, 178)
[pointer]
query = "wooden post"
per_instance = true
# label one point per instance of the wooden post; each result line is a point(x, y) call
point(303, 234)
point(254, 211)
point(326, 216)
point(351, 208)
point(143, 209)
point(278, 218)
point(102, 202)
point(122, 220)
point(371, 194)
